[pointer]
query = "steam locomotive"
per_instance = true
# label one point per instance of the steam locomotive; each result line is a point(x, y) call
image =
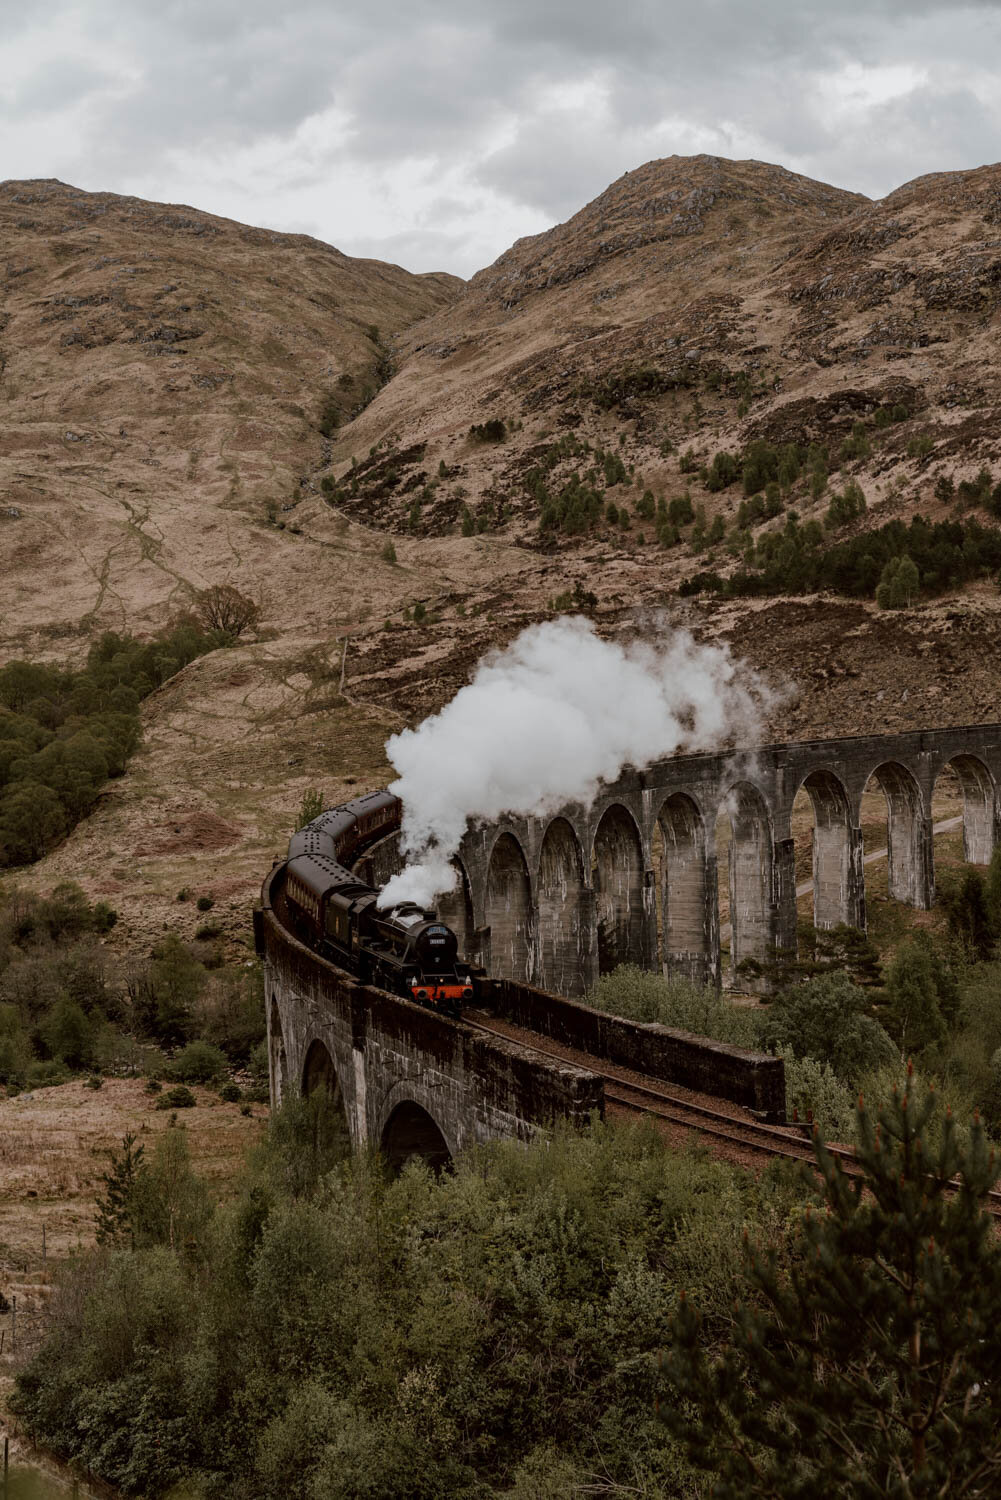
point(405, 948)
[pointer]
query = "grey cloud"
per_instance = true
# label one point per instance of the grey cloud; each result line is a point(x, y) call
point(471, 89)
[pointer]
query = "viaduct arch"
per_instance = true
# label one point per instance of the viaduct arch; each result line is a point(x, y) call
point(558, 901)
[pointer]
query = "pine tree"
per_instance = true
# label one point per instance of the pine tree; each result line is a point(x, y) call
point(873, 1368)
point(114, 1217)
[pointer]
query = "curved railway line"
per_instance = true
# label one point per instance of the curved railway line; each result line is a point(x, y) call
point(735, 1131)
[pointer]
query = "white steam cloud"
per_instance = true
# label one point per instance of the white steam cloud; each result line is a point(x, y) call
point(545, 722)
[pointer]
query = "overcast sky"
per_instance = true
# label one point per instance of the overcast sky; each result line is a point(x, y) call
point(435, 132)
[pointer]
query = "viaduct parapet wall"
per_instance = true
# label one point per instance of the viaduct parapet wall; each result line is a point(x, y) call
point(557, 901)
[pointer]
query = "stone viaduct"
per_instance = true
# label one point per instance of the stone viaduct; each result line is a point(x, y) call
point(557, 901)
point(546, 905)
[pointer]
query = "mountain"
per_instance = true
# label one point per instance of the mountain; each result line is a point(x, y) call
point(190, 401)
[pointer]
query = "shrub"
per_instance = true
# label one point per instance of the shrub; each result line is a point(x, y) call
point(388, 553)
point(492, 431)
point(178, 1097)
point(231, 1093)
point(205, 903)
point(640, 995)
point(207, 932)
point(198, 1062)
point(310, 807)
point(95, 1081)
point(724, 470)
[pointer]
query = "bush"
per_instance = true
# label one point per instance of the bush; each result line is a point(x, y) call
point(310, 807)
point(178, 1097)
point(205, 903)
point(828, 1019)
point(231, 1093)
point(640, 995)
point(492, 431)
point(350, 1323)
point(198, 1062)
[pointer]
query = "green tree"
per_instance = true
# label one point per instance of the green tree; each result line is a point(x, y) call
point(828, 1019)
point(969, 916)
point(69, 1035)
point(164, 995)
point(310, 807)
point(871, 1370)
point(170, 1204)
point(898, 584)
point(992, 889)
point(921, 994)
point(114, 1216)
point(32, 820)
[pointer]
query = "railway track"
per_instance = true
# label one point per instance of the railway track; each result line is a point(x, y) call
point(776, 1141)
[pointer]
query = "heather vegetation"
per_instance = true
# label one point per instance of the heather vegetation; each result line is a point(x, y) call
point(68, 1007)
point(64, 732)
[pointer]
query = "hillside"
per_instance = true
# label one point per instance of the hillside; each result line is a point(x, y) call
point(167, 374)
point(165, 378)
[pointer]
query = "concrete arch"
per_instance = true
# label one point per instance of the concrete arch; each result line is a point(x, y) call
point(689, 914)
point(508, 912)
point(979, 807)
point(455, 908)
point(560, 903)
point(277, 1057)
point(838, 881)
point(750, 874)
point(411, 1131)
point(910, 874)
point(618, 881)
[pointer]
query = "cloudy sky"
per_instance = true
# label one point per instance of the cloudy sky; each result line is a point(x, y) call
point(435, 132)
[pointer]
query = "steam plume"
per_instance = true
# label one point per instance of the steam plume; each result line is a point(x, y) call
point(545, 721)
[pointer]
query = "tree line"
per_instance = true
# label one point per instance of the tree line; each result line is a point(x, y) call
point(65, 731)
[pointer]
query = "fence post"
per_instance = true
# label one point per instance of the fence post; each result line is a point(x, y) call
point(13, 1325)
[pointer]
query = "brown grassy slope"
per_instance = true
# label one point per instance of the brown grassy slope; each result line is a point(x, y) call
point(163, 375)
point(811, 305)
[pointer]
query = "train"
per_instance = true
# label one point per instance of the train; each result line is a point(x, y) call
point(405, 948)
